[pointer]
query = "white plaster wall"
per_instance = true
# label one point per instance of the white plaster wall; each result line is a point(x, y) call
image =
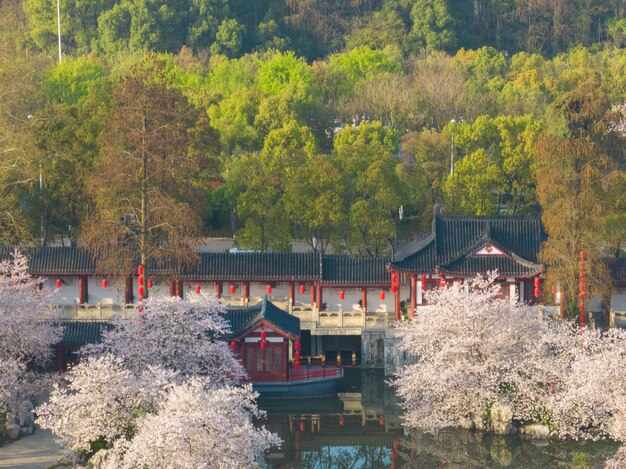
point(618, 299)
point(160, 287)
point(113, 294)
point(67, 294)
point(330, 296)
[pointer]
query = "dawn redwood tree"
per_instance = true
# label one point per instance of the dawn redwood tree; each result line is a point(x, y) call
point(149, 182)
point(474, 350)
point(27, 330)
point(177, 335)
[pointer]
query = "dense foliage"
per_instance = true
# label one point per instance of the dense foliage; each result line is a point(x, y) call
point(311, 119)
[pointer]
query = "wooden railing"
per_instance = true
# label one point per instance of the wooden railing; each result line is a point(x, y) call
point(305, 373)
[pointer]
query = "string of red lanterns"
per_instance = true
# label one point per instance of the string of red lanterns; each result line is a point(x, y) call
point(582, 286)
point(537, 291)
point(296, 356)
point(423, 279)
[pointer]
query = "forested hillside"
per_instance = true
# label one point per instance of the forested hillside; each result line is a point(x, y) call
point(316, 119)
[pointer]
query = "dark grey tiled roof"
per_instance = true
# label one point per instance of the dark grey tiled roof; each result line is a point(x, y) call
point(257, 266)
point(344, 270)
point(61, 260)
point(617, 270)
point(83, 332)
point(244, 318)
point(453, 241)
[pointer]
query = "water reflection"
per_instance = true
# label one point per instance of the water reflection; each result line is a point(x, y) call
point(361, 428)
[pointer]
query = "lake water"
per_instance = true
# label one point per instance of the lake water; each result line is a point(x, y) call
point(361, 427)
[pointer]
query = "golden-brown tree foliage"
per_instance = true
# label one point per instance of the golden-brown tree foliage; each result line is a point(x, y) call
point(148, 183)
point(571, 177)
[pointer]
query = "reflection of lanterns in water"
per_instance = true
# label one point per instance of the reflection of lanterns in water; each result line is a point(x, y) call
point(342, 421)
point(297, 446)
point(381, 420)
point(394, 454)
point(302, 426)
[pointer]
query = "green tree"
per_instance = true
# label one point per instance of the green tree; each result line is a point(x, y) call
point(314, 202)
point(229, 38)
point(256, 195)
point(432, 26)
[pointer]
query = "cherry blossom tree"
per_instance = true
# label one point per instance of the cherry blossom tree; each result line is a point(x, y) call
point(100, 403)
point(159, 389)
point(27, 329)
point(178, 335)
point(198, 428)
point(476, 353)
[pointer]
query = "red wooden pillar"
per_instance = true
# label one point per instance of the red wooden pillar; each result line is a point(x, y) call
point(128, 290)
point(246, 293)
point(319, 297)
point(398, 304)
point(179, 288)
point(60, 357)
point(292, 293)
point(83, 291)
point(172, 286)
point(364, 299)
point(413, 294)
point(218, 290)
point(312, 295)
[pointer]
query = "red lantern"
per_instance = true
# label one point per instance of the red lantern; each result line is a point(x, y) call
point(105, 283)
point(297, 346)
point(382, 294)
point(263, 344)
point(140, 280)
point(424, 287)
point(59, 283)
point(581, 266)
point(581, 318)
point(381, 420)
point(296, 356)
point(233, 346)
point(442, 282)
point(342, 294)
point(232, 289)
point(554, 289)
point(263, 334)
point(268, 289)
point(394, 288)
point(296, 366)
point(537, 292)
point(581, 255)
point(302, 426)
point(198, 288)
point(581, 307)
point(141, 311)
point(302, 288)
point(342, 421)
point(140, 270)
point(537, 282)
point(394, 279)
point(150, 284)
point(141, 291)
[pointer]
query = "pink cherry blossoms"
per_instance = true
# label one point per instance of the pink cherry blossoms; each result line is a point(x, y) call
point(475, 352)
point(27, 330)
point(159, 391)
